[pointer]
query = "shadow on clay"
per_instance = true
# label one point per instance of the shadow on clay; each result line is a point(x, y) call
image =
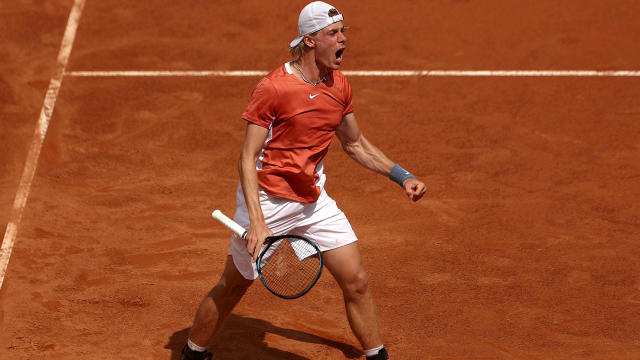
point(243, 338)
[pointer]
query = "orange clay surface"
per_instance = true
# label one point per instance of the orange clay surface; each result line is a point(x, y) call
point(526, 246)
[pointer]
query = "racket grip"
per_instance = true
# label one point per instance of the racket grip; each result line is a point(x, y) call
point(232, 225)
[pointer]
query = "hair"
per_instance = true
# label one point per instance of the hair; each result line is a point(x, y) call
point(297, 51)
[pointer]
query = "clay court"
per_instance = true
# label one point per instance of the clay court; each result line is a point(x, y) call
point(525, 247)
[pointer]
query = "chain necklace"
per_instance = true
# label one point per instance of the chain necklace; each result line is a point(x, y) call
point(304, 78)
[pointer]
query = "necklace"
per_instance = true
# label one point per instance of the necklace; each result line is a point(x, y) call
point(304, 78)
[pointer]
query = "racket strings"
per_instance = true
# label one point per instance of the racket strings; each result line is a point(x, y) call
point(290, 266)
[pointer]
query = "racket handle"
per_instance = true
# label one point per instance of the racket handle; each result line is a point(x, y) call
point(232, 225)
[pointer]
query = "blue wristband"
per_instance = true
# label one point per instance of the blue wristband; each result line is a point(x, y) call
point(399, 175)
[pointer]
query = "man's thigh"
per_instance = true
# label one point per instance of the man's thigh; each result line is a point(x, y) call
point(345, 263)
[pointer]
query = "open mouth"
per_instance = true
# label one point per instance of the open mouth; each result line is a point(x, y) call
point(339, 53)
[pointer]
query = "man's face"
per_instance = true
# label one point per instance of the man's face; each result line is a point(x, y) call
point(330, 45)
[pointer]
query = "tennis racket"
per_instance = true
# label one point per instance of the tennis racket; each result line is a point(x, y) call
point(288, 265)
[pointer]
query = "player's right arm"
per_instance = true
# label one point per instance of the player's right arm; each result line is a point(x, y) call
point(254, 139)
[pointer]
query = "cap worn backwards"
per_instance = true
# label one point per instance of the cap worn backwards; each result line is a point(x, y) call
point(313, 17)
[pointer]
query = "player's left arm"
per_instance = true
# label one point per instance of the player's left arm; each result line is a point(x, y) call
point(368, 155)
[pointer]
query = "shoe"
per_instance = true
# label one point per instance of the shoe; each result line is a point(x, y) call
point(382, 355)
point(188, 354)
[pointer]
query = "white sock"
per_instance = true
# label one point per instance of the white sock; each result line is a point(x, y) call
point(373, 351)
point(195, 347)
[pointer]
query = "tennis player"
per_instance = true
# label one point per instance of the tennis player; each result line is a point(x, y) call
point(293, 114)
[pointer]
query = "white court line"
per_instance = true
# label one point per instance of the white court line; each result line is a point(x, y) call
point(389, 73)
point(31, 164)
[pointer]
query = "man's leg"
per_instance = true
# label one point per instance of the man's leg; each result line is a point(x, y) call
point(345, 264)
point(218, 304)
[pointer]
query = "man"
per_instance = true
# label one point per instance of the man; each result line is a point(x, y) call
point(292, 116)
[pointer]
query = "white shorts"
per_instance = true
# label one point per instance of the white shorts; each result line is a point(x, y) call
point(321, 222)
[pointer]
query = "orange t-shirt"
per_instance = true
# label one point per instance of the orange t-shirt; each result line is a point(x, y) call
point(302, 120)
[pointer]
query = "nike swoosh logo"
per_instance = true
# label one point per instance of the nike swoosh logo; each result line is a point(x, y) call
point(312, 96)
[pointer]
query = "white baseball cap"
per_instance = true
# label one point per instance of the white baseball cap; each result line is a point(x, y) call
point(313, 17)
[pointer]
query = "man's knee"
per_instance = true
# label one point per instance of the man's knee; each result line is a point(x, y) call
point(231, 288)
point(357, 285)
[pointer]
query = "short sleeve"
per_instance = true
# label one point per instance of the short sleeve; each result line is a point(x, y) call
point(262, 104)
point(348, 108)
